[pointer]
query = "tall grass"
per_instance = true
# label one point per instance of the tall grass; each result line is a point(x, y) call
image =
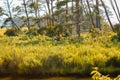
point(41, 55)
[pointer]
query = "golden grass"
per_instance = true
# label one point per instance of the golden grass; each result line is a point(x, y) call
point(42, 55)
point(2, 31)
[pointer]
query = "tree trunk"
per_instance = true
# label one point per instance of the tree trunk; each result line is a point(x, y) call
point(90, 14)
point(48, 6)
point(98, 25)
point(115, 10)
point(66, 10)
point(11, 18)
point(28, 21)
point(36, 14)
point(77, 18)
point(58, 17)
point(72, 6)
point(107, 15)
point(52, 13)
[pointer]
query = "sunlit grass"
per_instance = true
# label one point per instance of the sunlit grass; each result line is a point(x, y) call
point(43, 55)
point(2, 31)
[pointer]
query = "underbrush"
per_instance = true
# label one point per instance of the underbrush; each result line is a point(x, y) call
point(42, 55)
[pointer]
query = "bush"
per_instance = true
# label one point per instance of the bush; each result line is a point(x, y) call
point(113, 61)
point(115, 38)
point(32, 31)
point(117, 29)
point(11, 32)
point(95, 32)
point(48, 31)
point(42, 30)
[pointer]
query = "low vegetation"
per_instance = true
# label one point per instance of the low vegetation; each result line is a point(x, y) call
point(59, 39)
point(44, 56)
point(96, 75)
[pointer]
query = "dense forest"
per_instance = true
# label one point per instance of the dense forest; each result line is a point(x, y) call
point(60, 38)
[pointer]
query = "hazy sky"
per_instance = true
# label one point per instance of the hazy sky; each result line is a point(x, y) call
point(114, 20)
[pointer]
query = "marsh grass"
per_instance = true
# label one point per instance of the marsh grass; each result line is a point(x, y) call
point(42, 55)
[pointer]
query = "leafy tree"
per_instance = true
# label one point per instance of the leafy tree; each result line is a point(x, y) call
point(35, 5)
point(117, 29)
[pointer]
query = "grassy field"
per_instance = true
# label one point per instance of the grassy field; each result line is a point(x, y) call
point(43, 56)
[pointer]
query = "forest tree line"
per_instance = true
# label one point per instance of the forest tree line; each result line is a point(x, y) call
point(62, 16)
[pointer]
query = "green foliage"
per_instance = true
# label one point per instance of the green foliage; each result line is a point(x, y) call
point(1, 11)
point(59, 29)
point(32, 31)
point(52, 31)
point(113, 61)
point(115, 38)
point(105, 27)
point(48, 31)
point(75, 39)
point(34, 5)
point(11, 32)
point(117, 29)
point(42, 30)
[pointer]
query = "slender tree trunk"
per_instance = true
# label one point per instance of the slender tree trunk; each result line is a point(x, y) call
point(90, 14)
point(115, 10)
point(81, 14)
point(49, 10)
point(107, 15)
point(66, 10)
point(58, 17)
point(36, 14)
point(77, 18)
point(52, 13)
point(48, 6)
point(98, 25)
point(11, 18)
point(85, 13)
point(72, 6)
point(26, 12)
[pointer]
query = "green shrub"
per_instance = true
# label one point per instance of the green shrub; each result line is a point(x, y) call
point(50, 31)
point(32, 31)
point(117, 29)
point(42, 30)
point(115, 38)
point(113, 61)
point(11, 32)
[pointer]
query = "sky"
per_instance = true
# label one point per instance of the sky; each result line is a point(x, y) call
point(113, 18)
